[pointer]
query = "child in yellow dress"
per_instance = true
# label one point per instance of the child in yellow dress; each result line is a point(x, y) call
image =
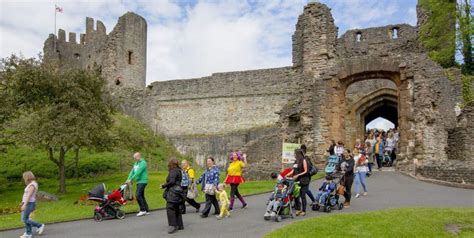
point(224, 200)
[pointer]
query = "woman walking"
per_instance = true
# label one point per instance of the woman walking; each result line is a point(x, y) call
point(28, 205)
point(234, 177)
point(174, 196)
point(360, 161)
point(209, 181)
point(347, 168)
point(300, 174)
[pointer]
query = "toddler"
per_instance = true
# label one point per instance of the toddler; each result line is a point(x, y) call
point(224, 200)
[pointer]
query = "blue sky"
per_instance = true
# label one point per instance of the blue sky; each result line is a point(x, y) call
point(189, 39)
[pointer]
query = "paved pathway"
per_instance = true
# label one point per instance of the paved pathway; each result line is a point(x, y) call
point(386, 190)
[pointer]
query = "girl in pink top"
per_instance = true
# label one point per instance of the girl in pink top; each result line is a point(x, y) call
point(28, 205)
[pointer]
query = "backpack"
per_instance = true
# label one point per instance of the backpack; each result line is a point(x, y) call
point(312, 170)
point(184, 179)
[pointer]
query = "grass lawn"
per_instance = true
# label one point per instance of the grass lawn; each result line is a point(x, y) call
point(403, 222)
point(65, 209)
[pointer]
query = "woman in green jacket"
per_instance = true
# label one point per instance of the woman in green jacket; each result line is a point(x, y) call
point(139, 173)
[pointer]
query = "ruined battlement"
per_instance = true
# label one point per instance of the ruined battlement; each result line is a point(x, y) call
point(119, 55)
point(391, 39)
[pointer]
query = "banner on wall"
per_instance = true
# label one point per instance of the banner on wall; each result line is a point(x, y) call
point(288, 152)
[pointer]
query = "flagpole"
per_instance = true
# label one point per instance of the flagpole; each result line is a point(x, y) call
point(55, 38)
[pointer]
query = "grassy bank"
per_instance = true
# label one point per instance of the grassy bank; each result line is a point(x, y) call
point(404, 222)
point(65, 209)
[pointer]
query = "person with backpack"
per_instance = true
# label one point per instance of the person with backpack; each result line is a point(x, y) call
point(139, 173)
point(191, 189)
point(312, 171)
point(209, 181)
point(234, 177)
point(174, 196)
point(361, 161)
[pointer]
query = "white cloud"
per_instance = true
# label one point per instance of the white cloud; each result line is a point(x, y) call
point(187, 40)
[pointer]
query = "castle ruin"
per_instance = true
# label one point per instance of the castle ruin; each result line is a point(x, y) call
point(312, 101)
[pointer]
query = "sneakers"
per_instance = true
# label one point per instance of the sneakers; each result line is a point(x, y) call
point(141, 213)
point(298, 212)
point(244, 206)
point(218, 217)
point(302, 213)
point(357, 195)
point(365, 194)
point(347, 204)
point(203, 216)
point(147, 213)
point(25, 236)
point(40, 229)
point(172, 229)
point(267, 214)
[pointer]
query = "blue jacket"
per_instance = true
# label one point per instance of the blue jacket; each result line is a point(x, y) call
point(327, 187)
point(278, 194)
point(211, 176)
point(381, 148)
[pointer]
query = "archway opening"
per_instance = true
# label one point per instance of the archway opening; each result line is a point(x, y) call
point(379, 123)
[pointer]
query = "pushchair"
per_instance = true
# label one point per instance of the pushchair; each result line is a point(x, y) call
point(108, 206)
point(330, 203)
point(332, 165)
point(287, 208)
point(387, 160)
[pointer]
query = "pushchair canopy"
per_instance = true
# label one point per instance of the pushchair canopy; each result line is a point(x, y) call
point(98, 192)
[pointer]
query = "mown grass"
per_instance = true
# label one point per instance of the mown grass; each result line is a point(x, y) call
point(65, 209)
point(403, 222)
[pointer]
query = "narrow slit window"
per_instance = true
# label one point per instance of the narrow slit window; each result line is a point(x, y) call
point(358, 37)
point(77, 55)
point(130, 56)
point(394, 33)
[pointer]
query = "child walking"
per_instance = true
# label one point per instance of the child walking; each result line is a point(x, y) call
point(224, 200)
point(28, 205)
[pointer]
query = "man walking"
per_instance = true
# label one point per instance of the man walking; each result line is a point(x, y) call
point(139, 173)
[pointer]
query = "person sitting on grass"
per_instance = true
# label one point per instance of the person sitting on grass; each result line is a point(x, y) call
point(223, 200)
point(276, 199)
point(326, 188)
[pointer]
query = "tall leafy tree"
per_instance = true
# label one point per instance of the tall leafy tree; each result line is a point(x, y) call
point(465, 32)
point(57, 110)
point(438, 32)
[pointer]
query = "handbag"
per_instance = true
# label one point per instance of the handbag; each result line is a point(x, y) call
point(175, 194)
point(192, 192)
point(209, 189)
point(341, 189)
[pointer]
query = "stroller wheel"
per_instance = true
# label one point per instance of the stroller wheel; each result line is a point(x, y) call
point(98, 217)
point(120, 214)
point(278, 218)
point(341, 206)
point(327, 209)
point(292, 215)
point(315, 207)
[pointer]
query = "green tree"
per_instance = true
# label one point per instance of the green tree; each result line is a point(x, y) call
point(438, 32)
point(57, 110)
point(464, 34)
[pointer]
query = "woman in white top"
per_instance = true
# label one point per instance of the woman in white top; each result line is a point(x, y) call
point(28, 205)
point(361, 161)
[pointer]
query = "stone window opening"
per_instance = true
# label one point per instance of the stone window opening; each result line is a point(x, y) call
point(358, 36)
point(394, 33)
point(294, 120)
point(130, 56)
point(77, 56)
point(117, 82)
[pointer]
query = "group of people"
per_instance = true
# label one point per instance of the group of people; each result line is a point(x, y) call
point(181, 186)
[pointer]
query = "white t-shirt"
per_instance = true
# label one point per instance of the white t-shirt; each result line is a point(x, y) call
point(33, 196)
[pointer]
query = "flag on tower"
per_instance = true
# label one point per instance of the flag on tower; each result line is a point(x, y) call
point(58, 9)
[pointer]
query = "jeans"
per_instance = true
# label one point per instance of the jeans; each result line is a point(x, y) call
point(322, 196)
point(370, 166)
point(274, 205)
point(310, 195)
point(379, 160)
point(211, 200)
point(360, 180)
point(141, 197)
point(25, 217)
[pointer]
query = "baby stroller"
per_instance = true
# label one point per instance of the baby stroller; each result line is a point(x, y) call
point(331, 202)
point(332, 165)
point(286, 209)
point(108, 205)
point(387, 160)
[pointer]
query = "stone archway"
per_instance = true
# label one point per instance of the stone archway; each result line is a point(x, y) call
point(382, 102)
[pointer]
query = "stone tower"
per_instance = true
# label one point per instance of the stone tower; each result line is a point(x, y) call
point(314, 40)
point(119, 55)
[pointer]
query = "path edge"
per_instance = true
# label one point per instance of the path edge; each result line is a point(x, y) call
point(438, 182)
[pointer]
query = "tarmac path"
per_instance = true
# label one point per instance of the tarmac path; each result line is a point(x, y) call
point(385, 190)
